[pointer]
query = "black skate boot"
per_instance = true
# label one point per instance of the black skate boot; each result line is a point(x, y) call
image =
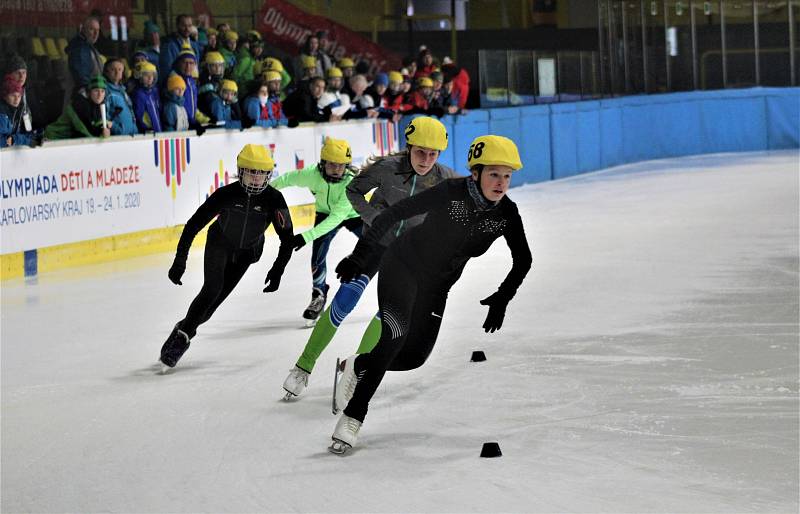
point(319, 297)
point(175, 346)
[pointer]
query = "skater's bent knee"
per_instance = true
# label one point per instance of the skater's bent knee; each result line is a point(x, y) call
point(346, 298)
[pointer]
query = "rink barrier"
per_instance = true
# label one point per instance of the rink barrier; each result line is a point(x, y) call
point(555, 141)
point(124, 246)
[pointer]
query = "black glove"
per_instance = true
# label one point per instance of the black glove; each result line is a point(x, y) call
point(347, 270)
point(298, 242)
point(200, 130)
point(176, 271)
point(497, 311)
point(273, 281)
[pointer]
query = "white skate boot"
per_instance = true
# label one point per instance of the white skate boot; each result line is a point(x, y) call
point(344, 435)
point(295, 383)
point(345, 384)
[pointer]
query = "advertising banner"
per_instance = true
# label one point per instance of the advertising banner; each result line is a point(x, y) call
point(288, 27)
point(75, 192)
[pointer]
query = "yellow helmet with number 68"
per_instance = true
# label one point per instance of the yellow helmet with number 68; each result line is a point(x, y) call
point(493, 150)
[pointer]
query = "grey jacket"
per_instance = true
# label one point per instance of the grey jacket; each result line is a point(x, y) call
point(395, 180)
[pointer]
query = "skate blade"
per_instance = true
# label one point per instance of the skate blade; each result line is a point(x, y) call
point(310, 323)
point(164, 368)
point(288, 396)
point(338, 447)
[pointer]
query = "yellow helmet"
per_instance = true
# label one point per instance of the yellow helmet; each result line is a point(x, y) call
point(214, 58)
point(336, 151)
point(493, 150)
point(211, 31)
point(309, 61)
point(145, 67)
point(229, 85)
point(255, 157)
point(269, 76)
point(426, 132)
point(273, 64)
point(334, 72)
point(396, 76)
point(231, 36)
point(424, 82)
point(254, 35)
point(346, 62)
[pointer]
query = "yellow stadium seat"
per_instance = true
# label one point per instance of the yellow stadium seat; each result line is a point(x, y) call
point(37, 47)
point(62, 47)
point(52, 49)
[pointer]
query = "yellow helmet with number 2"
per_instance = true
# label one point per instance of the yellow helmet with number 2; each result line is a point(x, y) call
point(336, 151)
point(493, 150)
point(426, 132)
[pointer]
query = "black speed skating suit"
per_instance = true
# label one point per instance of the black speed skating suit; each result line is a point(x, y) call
point(235, 241)
point(421, 266)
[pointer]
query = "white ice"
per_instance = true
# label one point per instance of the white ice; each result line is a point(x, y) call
point(648, 363)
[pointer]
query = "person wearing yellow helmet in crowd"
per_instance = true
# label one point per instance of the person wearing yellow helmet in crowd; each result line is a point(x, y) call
point(211, 75)
point(348, 66)
point(333, 97)
point(263, 108)
point(173, 111)
point(230, 41)
point(463, 218)
point(225, 109)
point(243, 210)
point(145, 97)
point(311, 49)
point(327, 180)
point(273, 64)
point(417, 101)
point(393, 178)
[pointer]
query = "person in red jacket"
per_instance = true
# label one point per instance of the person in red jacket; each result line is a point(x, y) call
point(460, 79)
point(418, 100)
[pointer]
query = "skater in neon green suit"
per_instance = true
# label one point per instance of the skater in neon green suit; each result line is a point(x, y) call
point(393, 178)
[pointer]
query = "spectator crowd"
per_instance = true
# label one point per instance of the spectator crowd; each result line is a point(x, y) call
point(200, 78)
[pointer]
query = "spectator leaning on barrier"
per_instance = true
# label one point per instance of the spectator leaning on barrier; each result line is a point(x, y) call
point(146, 101)
point(174, 114)
point(264, 107)
point(175, 44)
point(378, 88)
point(82, 117)
point(460, 79)
point(152, 42)
point(302, 105)
point(361, 105)
point(417, 101)
point(83, 59)
point(34, 112)
point(393, 97)
point(210, 78)
point(443, 98)
point(118, 103)
point(12, 128)
point(224, 107)
point(333, 96)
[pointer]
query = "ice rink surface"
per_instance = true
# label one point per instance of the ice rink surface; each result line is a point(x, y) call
point(649, 363)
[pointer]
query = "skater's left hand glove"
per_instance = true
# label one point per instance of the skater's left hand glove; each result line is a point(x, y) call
point(497, 312)
point(347, 270)
point(273, 281)
point(298, 242)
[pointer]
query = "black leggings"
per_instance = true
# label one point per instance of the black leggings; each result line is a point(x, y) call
point(411, 314)
point(223, 268)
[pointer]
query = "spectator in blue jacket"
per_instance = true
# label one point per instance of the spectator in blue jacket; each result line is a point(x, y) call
point(146, 101)
point(224, 107)
point(12, 129)
point(82, 57)
point(264, 107)
point(119, 106)
point(175, 44)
